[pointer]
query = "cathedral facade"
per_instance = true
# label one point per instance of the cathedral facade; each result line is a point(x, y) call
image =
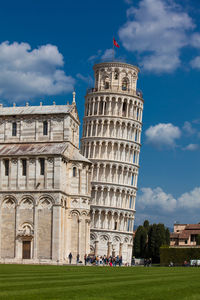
point(111, 140)
point(44, 185)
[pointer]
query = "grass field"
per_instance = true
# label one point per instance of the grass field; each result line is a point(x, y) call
point(63, 282)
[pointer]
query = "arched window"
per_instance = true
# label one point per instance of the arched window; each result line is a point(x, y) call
point(124, 84)
point(106, 83)
point(116, 75)
point(74, 171)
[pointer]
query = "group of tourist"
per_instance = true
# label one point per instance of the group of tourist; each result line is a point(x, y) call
point(98, 260)
point(103, 260)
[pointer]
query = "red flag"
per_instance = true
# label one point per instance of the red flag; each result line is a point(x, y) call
point(115, 43)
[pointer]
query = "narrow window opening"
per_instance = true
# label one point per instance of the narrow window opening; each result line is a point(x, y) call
point(124, 109)
point(124, 84)
point(106, 85)
point(116, 76)
point(41, 160)
point(115, 228)
point(24, 167)
point(74, 172)
point(14, 129)
point(45, 128)
point(6, 163)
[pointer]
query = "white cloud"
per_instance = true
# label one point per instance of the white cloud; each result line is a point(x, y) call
point(195, 63)
point(92, 58)
point(159, 206)
point(27, 73)
point(195, 40)
point(190, 200)
point(108, 54)
point(163, 135)
point(156, 199)
point(87, 79)
point(187, 127)
point(157, 30)
point(191, 147)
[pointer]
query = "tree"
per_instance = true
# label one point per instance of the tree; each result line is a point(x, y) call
point(198, 240)
point(140, 242)
point(158, 236)
point(146, 225)
point(167, 232)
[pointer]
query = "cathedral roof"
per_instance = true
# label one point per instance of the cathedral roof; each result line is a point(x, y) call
point(35, 110)
point(57, 148)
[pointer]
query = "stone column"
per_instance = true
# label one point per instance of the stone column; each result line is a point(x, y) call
point(17, 254)
point(109, 249)
point(79, 238)
point(99, 219)
point(56, 233)
point(96, 248)
point(35, 232)
point(120, 249)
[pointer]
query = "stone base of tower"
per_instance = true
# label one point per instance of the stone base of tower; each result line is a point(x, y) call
point(103, 242)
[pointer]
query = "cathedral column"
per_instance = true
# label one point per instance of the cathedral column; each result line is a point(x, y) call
point(35, 232)
point(56, 233)
point(17, 254)
point(79, 238)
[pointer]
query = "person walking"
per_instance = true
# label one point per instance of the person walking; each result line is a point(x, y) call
point(70, 258)
point(85, 258)
point(77, 258)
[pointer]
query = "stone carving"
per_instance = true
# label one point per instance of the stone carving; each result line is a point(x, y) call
point(9, 203)
point(14, 161)
point(45, 204)
point(26, 204)
point(50, 160)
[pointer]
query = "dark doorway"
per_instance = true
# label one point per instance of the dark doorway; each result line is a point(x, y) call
point(26, 251)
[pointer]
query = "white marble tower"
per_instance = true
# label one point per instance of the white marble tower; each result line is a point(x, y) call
point(111, 140)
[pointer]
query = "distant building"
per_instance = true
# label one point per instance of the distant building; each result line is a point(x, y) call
point(44, 185)
point(184, 235)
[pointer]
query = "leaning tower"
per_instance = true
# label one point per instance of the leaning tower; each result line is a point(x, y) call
point(111, 140)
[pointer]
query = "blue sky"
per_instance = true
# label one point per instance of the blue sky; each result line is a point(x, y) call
point(49, 47)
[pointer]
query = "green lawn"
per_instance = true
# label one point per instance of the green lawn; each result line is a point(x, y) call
point(63, 282)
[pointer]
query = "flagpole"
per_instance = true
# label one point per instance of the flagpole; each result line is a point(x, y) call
point(113, 49)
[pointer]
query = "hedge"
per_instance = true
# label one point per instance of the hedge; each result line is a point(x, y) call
point(178, 255)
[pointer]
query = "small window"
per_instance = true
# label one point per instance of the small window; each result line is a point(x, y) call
point(124, 108)
point(14, 129)
point(115, 226)
point(41, 166)
point(74, 172)
point(6, 163)
point(185, 241)
point(24, 167)
point(116, 76)
point(124, 84)
point(106, 85)
point(45, 128)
